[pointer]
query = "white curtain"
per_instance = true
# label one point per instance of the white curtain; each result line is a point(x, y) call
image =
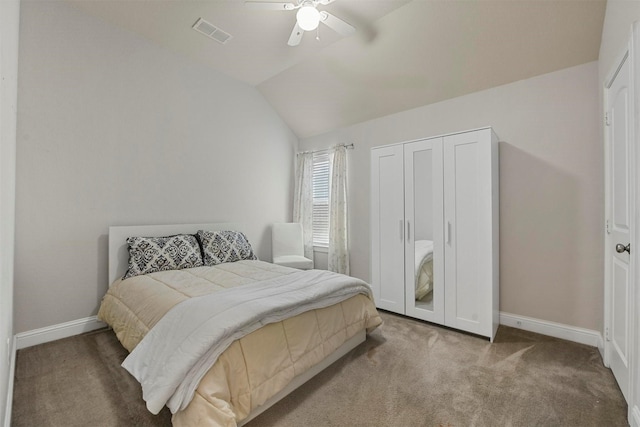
point(338, 233)
point(303, 200)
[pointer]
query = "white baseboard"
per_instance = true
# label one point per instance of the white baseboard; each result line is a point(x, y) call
point(552, 329)
point(12, 373)
point(56, 332)
point(634, 419)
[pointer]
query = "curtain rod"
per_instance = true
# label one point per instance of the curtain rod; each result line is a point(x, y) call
point(347, 146)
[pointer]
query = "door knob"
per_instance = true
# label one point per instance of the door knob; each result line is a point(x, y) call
point(620, 248)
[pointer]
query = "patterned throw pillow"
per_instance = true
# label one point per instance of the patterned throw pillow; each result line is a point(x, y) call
point(224, 246)
point(151, 254)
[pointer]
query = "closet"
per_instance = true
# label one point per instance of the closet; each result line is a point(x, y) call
point(434, 230)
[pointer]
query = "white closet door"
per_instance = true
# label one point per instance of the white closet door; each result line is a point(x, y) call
point(468, 231)
point(387, 228)
point(424, 256)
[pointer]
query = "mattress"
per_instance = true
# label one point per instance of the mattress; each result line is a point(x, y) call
point(253, 368)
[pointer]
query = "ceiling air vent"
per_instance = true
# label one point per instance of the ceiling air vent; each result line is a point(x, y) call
point(211, 31)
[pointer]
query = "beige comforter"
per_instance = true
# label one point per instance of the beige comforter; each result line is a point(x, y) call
point(253, 368)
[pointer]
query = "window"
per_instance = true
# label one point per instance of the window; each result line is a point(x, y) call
point(321, 199)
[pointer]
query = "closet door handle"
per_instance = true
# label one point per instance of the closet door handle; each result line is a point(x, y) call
point(447, 233)
point(401, 230)
point(408, 230)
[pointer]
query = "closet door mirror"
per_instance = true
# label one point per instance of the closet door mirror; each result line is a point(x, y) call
point(423, 227)
point(423, 209)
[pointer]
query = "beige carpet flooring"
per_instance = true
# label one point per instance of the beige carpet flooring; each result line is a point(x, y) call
point(407, 373)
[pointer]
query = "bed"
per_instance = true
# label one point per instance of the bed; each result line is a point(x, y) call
point(269, 359)
point(423, 268)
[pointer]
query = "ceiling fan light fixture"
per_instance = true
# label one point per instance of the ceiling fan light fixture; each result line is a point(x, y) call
point(308, 18)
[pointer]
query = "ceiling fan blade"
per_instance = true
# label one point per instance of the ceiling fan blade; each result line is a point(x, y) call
point(296, 36)
point(336, 24)
point(269, 5)
point(325, 2)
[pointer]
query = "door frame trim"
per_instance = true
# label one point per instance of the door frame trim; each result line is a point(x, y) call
point(634, 393)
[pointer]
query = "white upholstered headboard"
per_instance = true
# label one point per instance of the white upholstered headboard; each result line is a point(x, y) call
point(119, 250)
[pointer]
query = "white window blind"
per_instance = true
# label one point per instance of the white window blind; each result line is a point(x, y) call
point(321, 178)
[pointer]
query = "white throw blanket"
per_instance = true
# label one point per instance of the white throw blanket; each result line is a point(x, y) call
point(178, 351)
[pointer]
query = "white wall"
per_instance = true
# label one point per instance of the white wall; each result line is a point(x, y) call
point(616, 30)
point(113, 130)
point(9, 19)
point(551, 190)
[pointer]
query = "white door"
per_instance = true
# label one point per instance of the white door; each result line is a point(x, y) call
point(620, 177)
point(424, 253)
point(387, 228)
point(467, 232)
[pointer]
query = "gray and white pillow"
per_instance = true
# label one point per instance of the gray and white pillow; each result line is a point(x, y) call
point(224, 246)
point(151, 254)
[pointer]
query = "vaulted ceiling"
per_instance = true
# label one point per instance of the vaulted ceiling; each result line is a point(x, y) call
point(404, 53)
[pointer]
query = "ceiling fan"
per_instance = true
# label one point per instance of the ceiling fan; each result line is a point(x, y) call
point(308, 17)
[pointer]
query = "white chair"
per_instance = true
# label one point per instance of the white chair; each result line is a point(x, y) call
point(287, 246)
